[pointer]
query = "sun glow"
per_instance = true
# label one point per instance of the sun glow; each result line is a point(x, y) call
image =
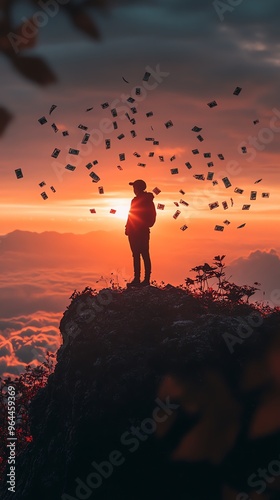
point(122, 213)
point(121, 206)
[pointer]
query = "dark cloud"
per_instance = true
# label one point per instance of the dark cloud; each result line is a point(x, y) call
point(262, 267)
point(5, 350)
point(26, 354)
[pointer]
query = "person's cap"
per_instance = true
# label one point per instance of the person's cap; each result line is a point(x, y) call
point(139, 184)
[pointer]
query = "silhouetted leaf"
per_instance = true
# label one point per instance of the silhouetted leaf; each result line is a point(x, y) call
point(4, 43)
point(83, 22)
point(100, 4)
point(5, 118)
point(207, 268)
point(35, 69)
point(12, 41)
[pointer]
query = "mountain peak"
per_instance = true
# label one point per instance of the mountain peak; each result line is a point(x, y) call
point(140, 373)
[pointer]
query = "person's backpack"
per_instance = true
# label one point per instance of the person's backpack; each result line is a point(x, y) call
point(151, 215)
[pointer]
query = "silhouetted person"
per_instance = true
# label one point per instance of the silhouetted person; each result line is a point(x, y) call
point(141, 217)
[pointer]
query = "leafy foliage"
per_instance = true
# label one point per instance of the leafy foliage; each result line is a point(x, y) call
point(26, 387)
point(222, 289)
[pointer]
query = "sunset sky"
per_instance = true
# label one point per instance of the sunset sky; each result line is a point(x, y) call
point(197, 52)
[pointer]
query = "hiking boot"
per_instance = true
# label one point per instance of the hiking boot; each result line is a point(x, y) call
point(134, 283)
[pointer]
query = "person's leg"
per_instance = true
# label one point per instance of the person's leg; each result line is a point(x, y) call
point(134, 245)
point(145, 252)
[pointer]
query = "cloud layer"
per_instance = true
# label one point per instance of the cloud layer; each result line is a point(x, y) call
point(206, 57)
point(40, 278)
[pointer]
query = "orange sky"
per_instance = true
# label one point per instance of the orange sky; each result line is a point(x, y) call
point(67, 210)
point(223, 129)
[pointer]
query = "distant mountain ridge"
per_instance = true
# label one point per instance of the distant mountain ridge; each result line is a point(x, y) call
point(10, 240)
point(51, 248)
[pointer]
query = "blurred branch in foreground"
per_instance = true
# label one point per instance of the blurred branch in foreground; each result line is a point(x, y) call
point(14, 39)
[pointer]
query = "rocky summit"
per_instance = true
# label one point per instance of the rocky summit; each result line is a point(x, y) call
point(157, 393)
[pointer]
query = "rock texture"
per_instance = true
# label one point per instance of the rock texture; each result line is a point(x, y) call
point(148, 400)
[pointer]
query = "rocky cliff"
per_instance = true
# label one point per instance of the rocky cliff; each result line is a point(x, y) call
point(156, 394)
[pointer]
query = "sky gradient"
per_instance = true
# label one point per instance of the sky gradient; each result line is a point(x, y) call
point(198, 53)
